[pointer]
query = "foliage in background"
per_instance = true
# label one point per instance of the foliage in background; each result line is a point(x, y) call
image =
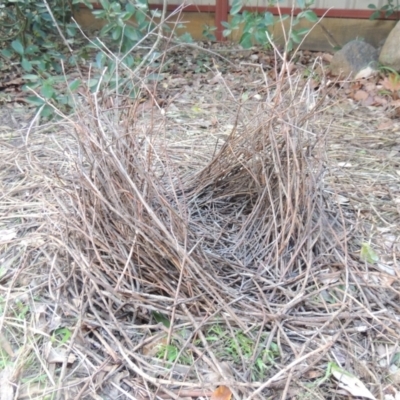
point(30, 33)
point(27, 31)
point(389, 9)
point(257, 27)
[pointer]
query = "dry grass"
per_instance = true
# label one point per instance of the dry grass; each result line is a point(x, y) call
point(143, 264)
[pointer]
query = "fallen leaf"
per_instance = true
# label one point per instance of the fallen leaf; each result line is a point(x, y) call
point(159, 317)
point(367, 254)
point(350, 383)
point(313, 374)
point(6, 387)
point(380, 100)
point(6, 346)
point(221, 393)
point(385, 125)
point(342, 199)
point(391, 82)
point(360, 95)
point(370, 86)
point(151, 349)
point(55, 356)
point(7, 234)
point(368, 102)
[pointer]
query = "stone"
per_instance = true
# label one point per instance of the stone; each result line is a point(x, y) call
point(354, 57)
point(390, 53)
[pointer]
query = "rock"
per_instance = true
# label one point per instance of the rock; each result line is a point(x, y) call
point(353, 58)
point(390, 53)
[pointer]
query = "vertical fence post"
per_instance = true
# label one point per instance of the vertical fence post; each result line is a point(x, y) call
point(221, 14)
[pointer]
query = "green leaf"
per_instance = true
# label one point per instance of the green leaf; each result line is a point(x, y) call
point(289, 45)
point(6, 53)
point(246, 41)
point(26, 65)
point(295, 37)
point(47, 90)
point(116, 7)
point(301, 3)
point(375, 15)
point(260, 36)
point(105, 4)
point(269, 19)
point(36, 101)
point(18, 47)
point(116, 33)
point(186, 38)
point(236, 21)
point(31, 77)
point(131, 33)
point(226, 32)
point(142, 4)
point(130, 8)
point(64, 333)
point(140, 17)
point(226, 25)
point(100, 59)
point(31, 49)
point(310, 15)
point(47, 111)
point(302, 31)
point(372, 6)
point(71, 31)
point(236, 6)
point(159, 317)
point(74, 84)
point(367, 254)
point(87, 3)
point(209, 36)
point(154, 77)
point(155, 13)
point(93, 82)
point(129, 61)
point(99, 13)
point(125, 16)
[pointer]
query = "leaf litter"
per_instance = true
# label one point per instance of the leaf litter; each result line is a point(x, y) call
point(251, 213)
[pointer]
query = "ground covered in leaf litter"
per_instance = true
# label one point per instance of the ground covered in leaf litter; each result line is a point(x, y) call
point(362, 146)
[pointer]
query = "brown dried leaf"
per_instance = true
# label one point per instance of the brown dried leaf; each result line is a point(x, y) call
point(381, 101)
point(360, 95)
point(312, 374)
point(370, 86)
point(369, 101)
point(385, 125)
point(151, 349)
point(391, 82)
point(221, 393)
